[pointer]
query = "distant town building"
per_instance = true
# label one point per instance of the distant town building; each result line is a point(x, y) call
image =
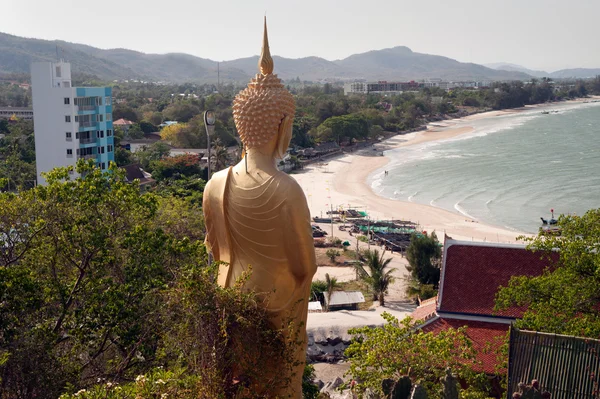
point(393, 88)
point(168, 123)
point(16, 112)
point(69, 122)
point(381, 87)
point(123, 123)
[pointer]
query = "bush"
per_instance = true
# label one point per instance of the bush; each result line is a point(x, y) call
point(332, 254)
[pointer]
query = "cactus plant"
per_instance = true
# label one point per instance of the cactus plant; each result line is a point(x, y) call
point(450, 385)
point(397, 389)
point(532, 391)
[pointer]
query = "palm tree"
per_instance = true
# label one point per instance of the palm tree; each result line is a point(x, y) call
point(377, 278)
point(332, 284)
point(220, 155)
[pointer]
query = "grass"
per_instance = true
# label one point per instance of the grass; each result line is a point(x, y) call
point(356, 285)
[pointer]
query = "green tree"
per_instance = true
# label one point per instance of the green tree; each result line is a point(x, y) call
point(152, 153)
point(135, 132)
point(181, 111)
point(399, 349)
point(564, 300)
point(332, 285)
point(174, 167)
point(121, 111)
point(424, 255)
point(375, 275)
point(98, 266)
point(220, 155)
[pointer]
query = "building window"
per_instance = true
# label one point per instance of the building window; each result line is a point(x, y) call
point(58, 72)
point(101, 134)
point(69, 153)
point(77, 135)
point(109, 148)
point(67, 101)
point(68, 136)
point(68, 118)
point(108, 117)
point(107, 101)
point(100, 118)
point(108, 132)
point(101, 150)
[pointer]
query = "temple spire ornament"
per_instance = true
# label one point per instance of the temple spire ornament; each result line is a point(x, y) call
point(265, 62)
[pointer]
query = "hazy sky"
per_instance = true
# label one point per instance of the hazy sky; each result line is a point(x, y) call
point(539, 34)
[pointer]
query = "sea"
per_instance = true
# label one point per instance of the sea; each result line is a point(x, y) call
point(510, 171)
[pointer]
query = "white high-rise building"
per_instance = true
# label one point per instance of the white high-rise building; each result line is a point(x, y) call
point(69, 122)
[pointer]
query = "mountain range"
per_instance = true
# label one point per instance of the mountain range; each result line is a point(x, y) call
point(576, 73)
point(398, 63)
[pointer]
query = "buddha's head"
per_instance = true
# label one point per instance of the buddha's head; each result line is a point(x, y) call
point(264, 111)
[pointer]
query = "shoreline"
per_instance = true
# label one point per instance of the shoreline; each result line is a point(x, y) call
point(342, 180)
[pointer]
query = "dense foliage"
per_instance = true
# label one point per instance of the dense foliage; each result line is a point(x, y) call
point(398, 349)
point(99, 282)
point(424, 255)
point(17, 155)
point(564, 300)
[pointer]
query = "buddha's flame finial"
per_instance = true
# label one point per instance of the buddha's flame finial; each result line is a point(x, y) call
point(265, 62)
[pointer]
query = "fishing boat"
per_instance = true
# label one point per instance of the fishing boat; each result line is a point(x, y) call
point(550, 226)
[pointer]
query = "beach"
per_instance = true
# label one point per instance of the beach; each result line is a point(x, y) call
point(342, 181)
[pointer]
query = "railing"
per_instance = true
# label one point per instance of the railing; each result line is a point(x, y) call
point(87, 140)
point(87, 124)
point(86, 107)
point(89, 156)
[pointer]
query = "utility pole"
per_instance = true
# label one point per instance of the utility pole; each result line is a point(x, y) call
point(368, 233)
point(331, 215)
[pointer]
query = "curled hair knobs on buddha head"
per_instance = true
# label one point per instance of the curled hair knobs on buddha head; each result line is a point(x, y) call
point(259, 109)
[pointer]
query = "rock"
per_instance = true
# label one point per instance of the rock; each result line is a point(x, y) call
point(338, 381)
point(319, 383)
point(334, 341)
point(368, 394)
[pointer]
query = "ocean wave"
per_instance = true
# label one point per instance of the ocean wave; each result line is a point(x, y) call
point(462, 210)
point(410, 197)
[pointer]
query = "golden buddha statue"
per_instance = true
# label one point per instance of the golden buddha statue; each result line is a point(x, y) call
point(257, 215)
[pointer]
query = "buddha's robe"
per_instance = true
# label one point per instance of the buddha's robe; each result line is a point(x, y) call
point(267, 227)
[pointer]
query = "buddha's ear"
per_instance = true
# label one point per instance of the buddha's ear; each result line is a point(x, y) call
point(284, 136)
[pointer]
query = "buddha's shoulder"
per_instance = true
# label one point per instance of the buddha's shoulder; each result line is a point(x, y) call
point(216, 184)
point(289, 186)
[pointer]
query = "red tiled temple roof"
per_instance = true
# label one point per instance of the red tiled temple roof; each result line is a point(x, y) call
point(473, 274)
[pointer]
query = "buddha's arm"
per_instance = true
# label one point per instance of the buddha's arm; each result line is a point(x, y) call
point(298, 241)
point(210, 241)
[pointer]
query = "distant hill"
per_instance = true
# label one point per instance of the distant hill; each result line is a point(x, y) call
point(398, 63)
point(517, 68)
point(576, 73)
